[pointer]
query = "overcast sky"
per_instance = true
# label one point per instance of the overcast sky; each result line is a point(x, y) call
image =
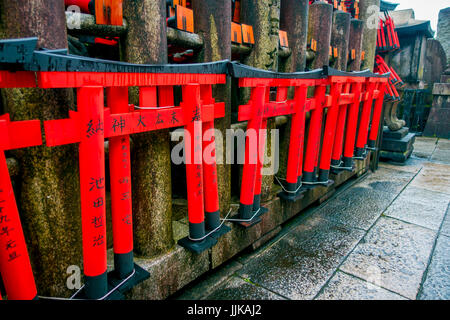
point(424, 9)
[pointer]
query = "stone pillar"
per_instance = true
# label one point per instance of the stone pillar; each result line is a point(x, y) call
point(438, 124)
point(340, 38)
point(212, 21)
point(443, 31)
point(146, 42)
point(355, 43)
point(49, 196)
point(319, 29)
point(293, 20)
point(369, 13)
point(264, 16)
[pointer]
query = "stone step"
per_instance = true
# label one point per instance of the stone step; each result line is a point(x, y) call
point(399, 145)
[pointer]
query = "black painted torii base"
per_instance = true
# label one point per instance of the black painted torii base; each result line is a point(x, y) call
point(114, 283)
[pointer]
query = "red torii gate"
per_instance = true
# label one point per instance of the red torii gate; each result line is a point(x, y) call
point(347, 92)
point(92, 124)
point(15, 266)
point(260, 108)
point(256, 112)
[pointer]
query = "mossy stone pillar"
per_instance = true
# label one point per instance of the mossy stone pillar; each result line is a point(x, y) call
point(293, 20)
point(212, 21)
point(340, 38)
point(264, 16)
point(369, 13)
point(319, 29)
point(146, 42)
point(355, 43)
point(48, 197)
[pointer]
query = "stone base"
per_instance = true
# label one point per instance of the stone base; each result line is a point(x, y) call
point(399, 157)
point(395, 135)
point(398, 145)
point(402, 145)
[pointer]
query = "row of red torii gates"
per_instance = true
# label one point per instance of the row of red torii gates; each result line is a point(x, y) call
point(344, 139)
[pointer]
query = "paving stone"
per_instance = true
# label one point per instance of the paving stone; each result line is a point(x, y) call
point(441, 156)
point(357, 207)
point(424, 147)
point(434, 177)
point(420, 206)
point(413, 165)
point(393, 254)
point(443, 144)
point(299, 264)
point(238, 289)
point(388, 181)
point(345, 287)
point(437, 281)
point(446, 225)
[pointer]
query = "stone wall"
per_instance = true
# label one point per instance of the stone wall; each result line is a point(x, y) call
point(443, 31)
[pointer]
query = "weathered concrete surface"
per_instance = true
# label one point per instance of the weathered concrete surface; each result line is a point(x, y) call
point(146, 42)
point(393, 255)
point(49, 181)
point(346, 287)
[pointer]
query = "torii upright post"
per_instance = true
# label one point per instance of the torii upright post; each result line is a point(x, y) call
point(15, 266)
point(92, 190)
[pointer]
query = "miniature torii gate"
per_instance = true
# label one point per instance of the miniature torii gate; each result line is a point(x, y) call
point(93, 123)
point(341, 97)
point(256, 112)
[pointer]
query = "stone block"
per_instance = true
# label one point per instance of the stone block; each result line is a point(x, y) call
point(399, 157)
point(169, 273)
point(399, 145)
point(395, 135)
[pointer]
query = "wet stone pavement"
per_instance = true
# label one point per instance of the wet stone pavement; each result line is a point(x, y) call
point(387, 236)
